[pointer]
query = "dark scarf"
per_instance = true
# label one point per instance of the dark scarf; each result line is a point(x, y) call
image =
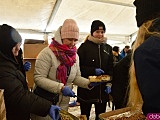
point(66, 56)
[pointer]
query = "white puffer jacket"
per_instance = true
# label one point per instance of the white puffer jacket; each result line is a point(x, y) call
point(45, 74)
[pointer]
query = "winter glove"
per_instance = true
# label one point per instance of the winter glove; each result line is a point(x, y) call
point(66, 91)
point(108, 89)
point(27, 66)
point(54, 112)
point(99, 71)
point(72, 104)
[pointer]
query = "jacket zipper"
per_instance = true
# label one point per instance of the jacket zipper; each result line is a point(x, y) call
point(99, 49)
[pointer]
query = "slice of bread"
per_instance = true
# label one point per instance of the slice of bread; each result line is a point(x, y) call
point(101, 78)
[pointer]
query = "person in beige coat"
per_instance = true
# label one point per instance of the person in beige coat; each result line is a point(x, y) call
point(57, 66)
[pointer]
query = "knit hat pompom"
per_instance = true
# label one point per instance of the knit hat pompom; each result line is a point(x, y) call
point(97, 25)
point(70, 29)
point(146, 10)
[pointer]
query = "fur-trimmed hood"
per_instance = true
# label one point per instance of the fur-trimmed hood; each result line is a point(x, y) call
point(57, 36)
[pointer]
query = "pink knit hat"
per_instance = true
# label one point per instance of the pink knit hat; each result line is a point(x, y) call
point(69, 29)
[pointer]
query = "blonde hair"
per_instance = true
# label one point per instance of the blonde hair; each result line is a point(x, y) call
point(86, 38)
point(135, 99)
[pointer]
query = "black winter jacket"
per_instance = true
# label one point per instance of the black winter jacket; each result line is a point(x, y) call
point(19, 101)
point(147, 67)
point(120, 82)
point(94, 56)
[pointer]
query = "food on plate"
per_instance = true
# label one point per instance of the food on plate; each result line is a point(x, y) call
point(101, 78)
point(126, 113)
point(127, 116)
point(82, 117)
point(64, 115)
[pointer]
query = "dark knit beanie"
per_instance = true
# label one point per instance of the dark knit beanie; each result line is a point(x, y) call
point(97, 25)
point(116, 49)
point(146, 10)
point(9, 37)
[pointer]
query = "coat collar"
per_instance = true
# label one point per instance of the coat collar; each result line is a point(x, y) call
point(96, 40)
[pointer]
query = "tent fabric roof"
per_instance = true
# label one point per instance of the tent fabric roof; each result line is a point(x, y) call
point(42, 16)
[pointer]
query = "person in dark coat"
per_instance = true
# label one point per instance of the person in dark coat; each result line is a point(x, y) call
point(96, 58)
point(120, 82)
point(116, 56)
point(145, 69)
point(124, 51)
point(19, 101)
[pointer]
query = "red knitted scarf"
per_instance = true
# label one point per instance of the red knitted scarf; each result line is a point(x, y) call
point(66, 56)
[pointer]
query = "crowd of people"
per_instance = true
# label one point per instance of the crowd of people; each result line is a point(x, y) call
point(133, 71)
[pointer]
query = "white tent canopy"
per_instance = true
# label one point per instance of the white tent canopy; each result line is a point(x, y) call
point(45, 16)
